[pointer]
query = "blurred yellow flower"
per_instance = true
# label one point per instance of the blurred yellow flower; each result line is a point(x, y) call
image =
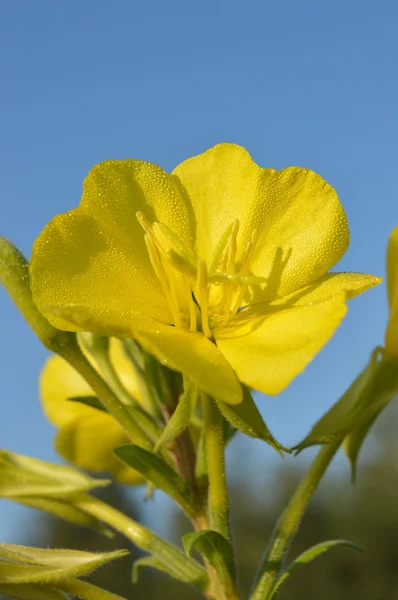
point(391, 342)
point(86, 436)
point(219, 269)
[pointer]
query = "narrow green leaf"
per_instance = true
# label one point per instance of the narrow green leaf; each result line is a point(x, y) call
point(181, 417)
point(353, 442)
point(33, 591)
point(179, 566)
point(356, 410)
point(218, 551)
point(161, 475)
point(26, 476)
point(55, 557)
point(247, 418)
point(48, 566)
point(341, 416)
point(154, 563)
point(382, 390)
point(87, 591)
point(91, 401)
point(146, 561)
point(306, 557)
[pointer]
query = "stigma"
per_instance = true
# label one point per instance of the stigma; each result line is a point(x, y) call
point(201, 297)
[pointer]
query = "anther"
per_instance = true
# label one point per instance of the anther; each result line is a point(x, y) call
point(143, 221)
point(244, 270)
point(229, 263)
point(158, 267)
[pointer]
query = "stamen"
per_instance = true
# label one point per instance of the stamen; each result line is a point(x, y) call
point(182, 265)
point(174, 242)
point(143, 221)
point(161, 275)
point(172, 286)
point(202, 295)
point(220, 278)
point(220, 248)
point(229, 262)
point(244, 270)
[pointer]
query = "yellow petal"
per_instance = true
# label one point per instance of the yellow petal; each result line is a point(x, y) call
point(96, 254)
point(268, 352)
point(190, 353)
point(88, 443)
point(301, 224)
point(329, 286)
point(391, 342)
point(59, 381)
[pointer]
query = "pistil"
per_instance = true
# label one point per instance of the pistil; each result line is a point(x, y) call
point(202, 296)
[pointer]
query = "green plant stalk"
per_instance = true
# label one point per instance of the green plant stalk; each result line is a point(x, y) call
point(218, 491)
point(145, 539)
point(289, 522)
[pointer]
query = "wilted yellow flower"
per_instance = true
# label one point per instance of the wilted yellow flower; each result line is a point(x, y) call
point(219, 269)
point(86, 436)
point(392, 290)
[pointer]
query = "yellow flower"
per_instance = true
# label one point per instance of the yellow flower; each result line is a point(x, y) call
point(86, 435)
point(391, 342)
point(219, 269)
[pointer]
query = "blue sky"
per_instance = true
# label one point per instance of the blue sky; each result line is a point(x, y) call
point(305, 83)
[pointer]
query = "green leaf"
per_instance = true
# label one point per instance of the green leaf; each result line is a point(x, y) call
point(32, 591)
point(383, 389)
point(356, 410)
point(176, 564)
point(147, 561)
point(307, 557)
point(22, 564)
point(91, 401)
point(247, 418)
point(22, 476)
point(155, 562)
point(87, 591)
point(218, 551)
point(161, 475)
point(48, 487)
point(342, 414)
point(181, 417)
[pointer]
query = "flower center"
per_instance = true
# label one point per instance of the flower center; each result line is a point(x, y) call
point(201, 296)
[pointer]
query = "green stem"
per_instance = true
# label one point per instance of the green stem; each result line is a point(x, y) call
point(183, 567)
point(72, 353)
point(218, 491)
point(289, 522)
